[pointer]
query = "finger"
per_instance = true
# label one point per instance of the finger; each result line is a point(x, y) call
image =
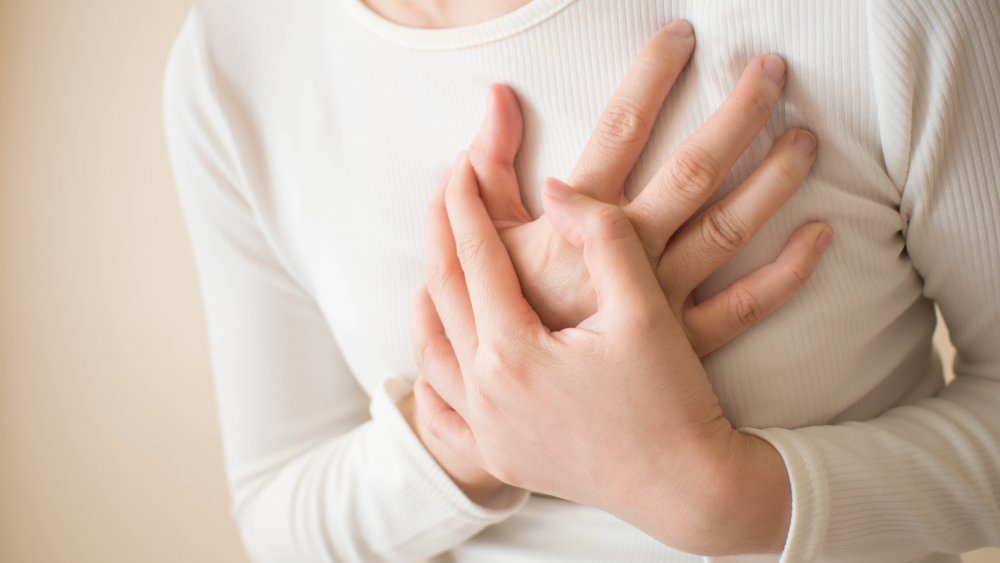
point(434, 354)
point(443, 180)
point(446, 283)
point(445, 423)
point(697, 167)
point(492, 154)
point(499, 307)
point(724, 229)
point(624, 126)
point(623, 280)
point(749, 299)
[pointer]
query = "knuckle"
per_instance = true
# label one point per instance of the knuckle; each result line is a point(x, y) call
point(437, 427)
point(747, 309)
point(484, 160)
point(430, 358)
point(470, 249)
point(499, 359)
point(505, 364)
point(423, 353)
point(786, 169)
point(646, 318)
point(622, 123)
point(440, 278)
point(799, 273)
point(653, 59)
point(755, 102)
point(693, 172)
point(723, 229)
point(610, 222)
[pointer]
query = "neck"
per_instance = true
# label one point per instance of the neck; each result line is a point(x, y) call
point(437, 14)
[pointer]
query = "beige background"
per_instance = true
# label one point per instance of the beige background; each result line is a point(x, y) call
point(109, 448)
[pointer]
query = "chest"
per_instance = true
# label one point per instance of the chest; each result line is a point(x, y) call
point(349, 193)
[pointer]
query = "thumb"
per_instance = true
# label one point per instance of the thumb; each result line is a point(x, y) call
point(492, 156)
point(620, 271)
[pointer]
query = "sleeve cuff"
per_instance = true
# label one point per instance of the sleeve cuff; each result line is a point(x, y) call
point(810, 493)
point(439, 502)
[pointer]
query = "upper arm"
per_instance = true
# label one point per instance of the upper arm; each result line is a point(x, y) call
point(951, 197)
point(282, 385)
point(951, 190)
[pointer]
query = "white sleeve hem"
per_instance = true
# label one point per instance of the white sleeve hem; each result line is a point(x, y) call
point(810, 493)
point(384, 408)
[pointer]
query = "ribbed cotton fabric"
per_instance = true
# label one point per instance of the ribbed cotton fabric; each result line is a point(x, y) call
point(307, 136)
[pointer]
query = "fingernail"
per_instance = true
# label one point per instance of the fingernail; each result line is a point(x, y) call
point(680, 28)
point(774, 68)
point(823, 240)
point(559, 191)
point(805, 142)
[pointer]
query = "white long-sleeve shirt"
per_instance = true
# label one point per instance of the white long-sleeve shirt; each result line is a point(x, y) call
point(306, 137)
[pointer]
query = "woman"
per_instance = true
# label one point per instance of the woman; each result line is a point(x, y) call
point(302, 166)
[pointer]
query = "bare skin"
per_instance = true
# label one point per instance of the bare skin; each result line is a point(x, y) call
point(439, 14)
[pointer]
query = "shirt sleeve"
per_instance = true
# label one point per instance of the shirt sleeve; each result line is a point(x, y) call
point(317, 470)
point(923, 477)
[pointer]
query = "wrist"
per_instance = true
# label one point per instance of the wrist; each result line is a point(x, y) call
point(727, 494)
point(756, 513)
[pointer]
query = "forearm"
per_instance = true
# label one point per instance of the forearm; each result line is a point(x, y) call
point(372, 494)
point(920, 478)
point(733, 488)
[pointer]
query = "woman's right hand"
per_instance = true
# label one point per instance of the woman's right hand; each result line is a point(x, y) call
point(684, 251)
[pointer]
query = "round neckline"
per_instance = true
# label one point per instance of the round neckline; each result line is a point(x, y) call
point(511, 23)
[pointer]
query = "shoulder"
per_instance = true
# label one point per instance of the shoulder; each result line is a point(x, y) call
point(206, 70)
point(236, 75)
point(243, 42)
point(230, 56)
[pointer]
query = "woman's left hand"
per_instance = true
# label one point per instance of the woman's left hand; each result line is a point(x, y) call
point(616, 412)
